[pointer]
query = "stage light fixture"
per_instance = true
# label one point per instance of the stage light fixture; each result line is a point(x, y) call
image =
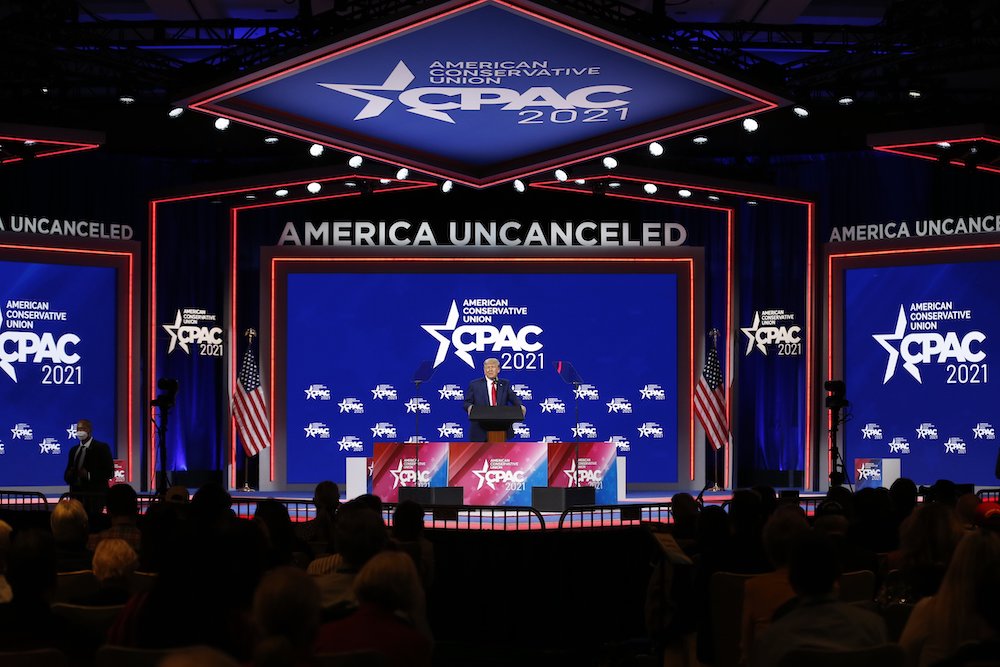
point(126, 99)
point(800, 112)
point(402, 174)
point(355, 161)
point(221, 124)
point(845, 100)
point(281, 193)
point(609, 162)
point(580, 181)
point(447, 186)
point(561, 175)
point(250, 197)
point(714, 198)
point(271, 140)
point(176, 112)
point(684, 192)
point(385, 181)
point(316, 150)
point(44, 90)
point(350, 184)
point(944, 144)
point(751, 202)
point(314, 188)
point(30, 142)
point(750, 125)
point(700, 140)
point(650, 189)
point(519, 185)
point(614, 185)
point(656, 149)
point(914, 94)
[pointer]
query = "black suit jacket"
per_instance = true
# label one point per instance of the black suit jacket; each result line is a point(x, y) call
point(98, 461)
point(478, 394)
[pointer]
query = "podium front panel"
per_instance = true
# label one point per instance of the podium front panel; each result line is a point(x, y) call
point(398, 464)
point(497, 473)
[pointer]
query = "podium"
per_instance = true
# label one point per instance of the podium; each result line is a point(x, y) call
point(496, 419)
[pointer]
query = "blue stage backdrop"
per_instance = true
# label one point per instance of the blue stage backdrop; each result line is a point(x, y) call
point(57, 365)
point(354, 341)
point(918, 346)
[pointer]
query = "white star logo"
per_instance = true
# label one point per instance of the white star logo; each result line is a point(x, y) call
point(751, 333)
point(481, 474)
point(883, 340)
point(171, 329)
point(345, 405)
point(443, 341)
point(571, 473)
point(71, 432)
point(396, 474)
point(398, 80)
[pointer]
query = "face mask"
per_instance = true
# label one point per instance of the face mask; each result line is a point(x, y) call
point(82, 436)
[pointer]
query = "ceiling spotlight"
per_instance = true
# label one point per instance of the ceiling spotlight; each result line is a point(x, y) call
point(221, 123)
point(714, 198)
point(800, 112)
point(30, 142)
point(845, 101)
point(649, 189)
point(914, 94)
point(580, 181)
point(350, 184)
point(684, 192)
point(944, 144)
point(384, 181)
point(44, 90)
point(176, 112)
point(609, 162)
point(750, 125)
point(402, 174)
point(700, 140)
point(614, 184)
point(314, 187)
point(355, 161)
point(316, 150)
point(751, 202)
point(271, 140)
point(281, 193)
point(519, 185)
point(447, 186)
point(656, 149)
point(250, 197)
point(126, 99)
point(560, 175)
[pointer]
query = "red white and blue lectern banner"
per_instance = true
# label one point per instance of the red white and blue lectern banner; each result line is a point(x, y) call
point(495, 473)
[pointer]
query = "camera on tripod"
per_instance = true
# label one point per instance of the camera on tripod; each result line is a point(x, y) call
point(836, 399)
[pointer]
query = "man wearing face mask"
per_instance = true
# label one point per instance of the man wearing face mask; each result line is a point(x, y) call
point(490, 390)
point(89, 468)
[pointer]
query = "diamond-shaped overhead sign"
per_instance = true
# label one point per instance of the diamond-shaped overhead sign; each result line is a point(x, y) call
point(483, 91)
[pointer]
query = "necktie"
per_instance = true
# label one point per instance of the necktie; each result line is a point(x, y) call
point(80, 455)
point(494, 400)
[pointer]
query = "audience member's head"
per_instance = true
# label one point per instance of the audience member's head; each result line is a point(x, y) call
point(198, 656)
point(684, 509)
point(286, 611)
point(813, 568)
point(928, 536)
point(408, 521)
point(371, 501)
point(177, 495)
point(360, 534)
point(903, 494)
point(782, 532)
point(768, 499)
point(746, 511)
point(114, 561)
point(31, 567)
point(388, 580)
point(326, 497)
point(966, 508)
point(210, 506)
point(158, 532)
point(942, 491)
point(69, 523)
point(713, 530)
point(829, 519)
point(5, 531)
point(272, 516)
point(843, 497)
point(971, 576)
point(122, 501)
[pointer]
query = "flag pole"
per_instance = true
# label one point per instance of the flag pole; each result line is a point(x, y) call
point(246, 488)
point(714, 335)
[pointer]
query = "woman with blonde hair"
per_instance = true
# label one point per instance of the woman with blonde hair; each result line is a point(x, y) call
point(942, 623)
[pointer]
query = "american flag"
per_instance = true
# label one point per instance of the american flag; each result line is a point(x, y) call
point(710, 401)
point(248, 406)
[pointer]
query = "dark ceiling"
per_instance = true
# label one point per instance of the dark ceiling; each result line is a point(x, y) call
point(66, 62)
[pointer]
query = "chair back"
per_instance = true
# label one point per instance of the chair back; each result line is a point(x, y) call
point(94, 621)
point(857, 586)
point(350, 659)
point(125, 656)
point(141, 582)
point(43, 657)
point(885, 655)
point(73, 585)
point(726, 599)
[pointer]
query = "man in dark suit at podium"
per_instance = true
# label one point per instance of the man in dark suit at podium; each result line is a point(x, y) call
point(490, 390)
point(89, 468)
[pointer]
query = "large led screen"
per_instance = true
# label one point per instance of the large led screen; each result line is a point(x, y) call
point(354, 341)
point(58, 364)
point(918, 345)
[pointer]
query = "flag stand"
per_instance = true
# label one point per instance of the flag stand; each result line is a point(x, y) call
point(710, 406)
point(249, 410)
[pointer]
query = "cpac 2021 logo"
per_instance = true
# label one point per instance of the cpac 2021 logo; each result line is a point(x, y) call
point(469, 338)
point(20, 347)
point(925, 343)
point(435, 102)
point(191, 327)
